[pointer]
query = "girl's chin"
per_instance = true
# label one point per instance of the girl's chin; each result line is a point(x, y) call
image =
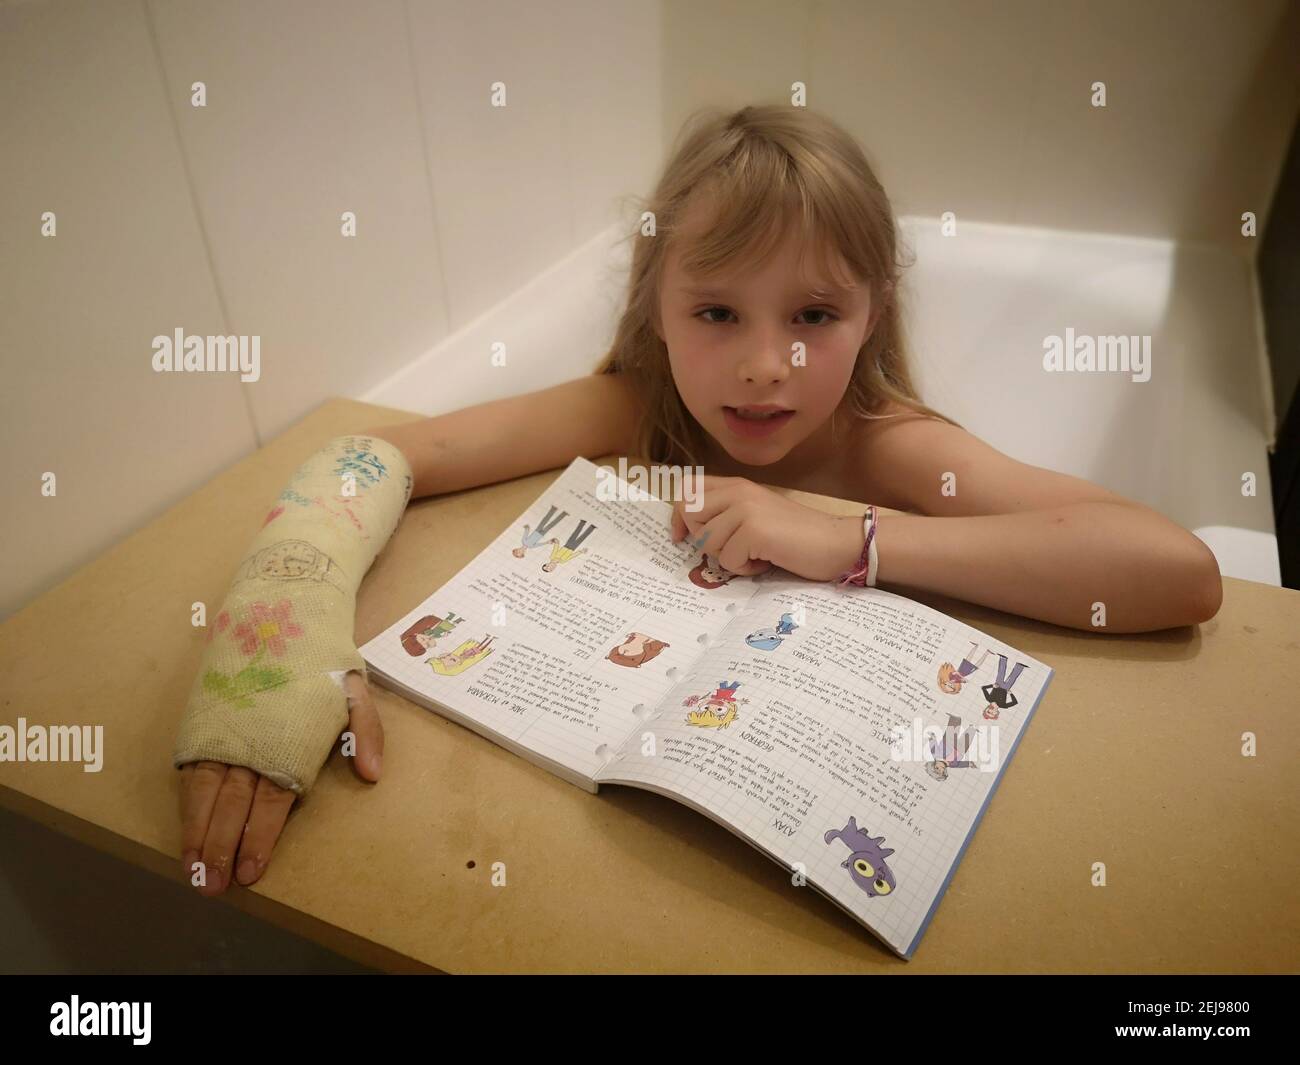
point(762, 451)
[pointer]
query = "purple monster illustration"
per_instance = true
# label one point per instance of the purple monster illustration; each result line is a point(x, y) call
point(867, 862)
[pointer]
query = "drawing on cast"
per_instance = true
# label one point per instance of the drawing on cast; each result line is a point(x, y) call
point(717, 710)
point(425, 632)
point(467, 654)
point(559, 555)
point(346, 516)
point(359, 461)
point(950, 752)
point(709, 574)
point(866, 860)
point(770, 639)
point(636, 649)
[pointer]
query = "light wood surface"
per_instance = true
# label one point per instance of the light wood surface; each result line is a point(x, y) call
point(1133, 759)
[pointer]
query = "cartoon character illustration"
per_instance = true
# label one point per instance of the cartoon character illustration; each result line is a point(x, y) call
point(425, 632)
point(999, 692)
point(459, 660)
point(533, 538)
point(770, 639)
point(718, 710)
point(636, 649)
point(951, 680)
point(866, 862)
point(709, 574)
point(560, 555)
point(950, 752)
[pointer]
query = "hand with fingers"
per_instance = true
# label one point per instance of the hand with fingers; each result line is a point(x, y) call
point(231, 817)
point(749, 528)
point(280, 675)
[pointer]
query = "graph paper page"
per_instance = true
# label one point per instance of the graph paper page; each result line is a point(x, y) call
point(567, 661)
point(807, 729)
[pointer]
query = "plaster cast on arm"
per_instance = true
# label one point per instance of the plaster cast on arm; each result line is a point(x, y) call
point(269, 694)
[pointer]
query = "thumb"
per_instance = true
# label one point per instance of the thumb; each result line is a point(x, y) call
point(364, 724)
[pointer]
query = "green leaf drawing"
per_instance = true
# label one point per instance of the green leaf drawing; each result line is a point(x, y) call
point(239, 689)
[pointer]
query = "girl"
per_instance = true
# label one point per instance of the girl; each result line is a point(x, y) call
point(762, 340)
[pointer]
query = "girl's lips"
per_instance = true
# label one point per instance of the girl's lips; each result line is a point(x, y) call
point(755, 427)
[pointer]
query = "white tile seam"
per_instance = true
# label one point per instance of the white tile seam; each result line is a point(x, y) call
point(425, 133)
point(223, 310)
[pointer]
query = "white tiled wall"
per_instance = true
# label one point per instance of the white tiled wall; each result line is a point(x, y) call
point(983, 107)
point(225, 219)
point(86, 133)
point(311, 112)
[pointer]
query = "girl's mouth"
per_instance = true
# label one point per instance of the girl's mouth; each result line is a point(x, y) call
point(756, 421)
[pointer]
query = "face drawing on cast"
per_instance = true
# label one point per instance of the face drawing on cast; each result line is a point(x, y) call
point(635, 650)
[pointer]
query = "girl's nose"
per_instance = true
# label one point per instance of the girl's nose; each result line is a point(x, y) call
point(769, 361)
point(768, 368)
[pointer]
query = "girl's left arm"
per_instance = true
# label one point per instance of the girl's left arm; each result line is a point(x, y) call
point(1025, 539)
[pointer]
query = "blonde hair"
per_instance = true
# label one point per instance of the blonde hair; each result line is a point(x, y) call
point(769, 165)
point(705, 718)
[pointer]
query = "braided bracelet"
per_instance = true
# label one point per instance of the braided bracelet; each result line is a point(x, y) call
point(864, 574)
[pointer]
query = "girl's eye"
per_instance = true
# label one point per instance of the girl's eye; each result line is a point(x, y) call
point(710, 310)
point(827, 319)
point(827, 316)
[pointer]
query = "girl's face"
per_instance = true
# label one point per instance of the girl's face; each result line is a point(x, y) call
point(732, 345)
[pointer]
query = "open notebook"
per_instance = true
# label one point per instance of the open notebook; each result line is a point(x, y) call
point(851, 734)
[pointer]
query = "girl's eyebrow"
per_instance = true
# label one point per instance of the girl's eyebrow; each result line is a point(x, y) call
point(822, 292)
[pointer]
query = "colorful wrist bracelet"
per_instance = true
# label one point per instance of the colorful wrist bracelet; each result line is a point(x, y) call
point(864, 574)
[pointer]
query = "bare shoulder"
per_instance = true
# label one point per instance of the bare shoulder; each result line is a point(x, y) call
point(918, 463)
point(887, 450)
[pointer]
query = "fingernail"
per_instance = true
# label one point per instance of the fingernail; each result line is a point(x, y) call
point(376, 763)
point(247, 871)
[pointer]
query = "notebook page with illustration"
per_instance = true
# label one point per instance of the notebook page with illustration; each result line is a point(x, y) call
point(563, 635)
point(853, 735)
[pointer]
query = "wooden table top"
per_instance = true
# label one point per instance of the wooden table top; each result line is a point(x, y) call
point(1133, 759)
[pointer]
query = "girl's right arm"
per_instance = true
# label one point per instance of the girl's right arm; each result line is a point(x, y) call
point(232, 814)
